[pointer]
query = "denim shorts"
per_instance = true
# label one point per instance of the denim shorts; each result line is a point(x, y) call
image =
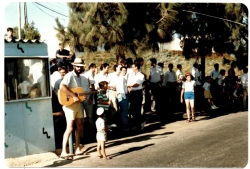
point(189, 95)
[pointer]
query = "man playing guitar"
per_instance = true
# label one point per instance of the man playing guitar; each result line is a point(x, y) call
point(73, 112)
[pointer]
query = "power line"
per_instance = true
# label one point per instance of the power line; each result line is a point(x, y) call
point(214, 17)
point(42, 10)
point(59, 9)
point(50, 9)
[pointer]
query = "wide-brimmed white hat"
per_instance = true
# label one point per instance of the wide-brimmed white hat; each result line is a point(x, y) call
point(99, 111)
point(78, 62)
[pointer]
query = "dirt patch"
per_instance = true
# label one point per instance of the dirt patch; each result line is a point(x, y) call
point(30, 159)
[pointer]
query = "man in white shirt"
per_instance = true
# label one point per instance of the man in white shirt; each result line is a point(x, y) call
point(244, 82)
point(134, 85)
point(156, 79)
point(122, 96)
point(112, 93)
point(170, 83)
point(35, 71)
point(73, 113)
point(214, 82)
point(102, 75)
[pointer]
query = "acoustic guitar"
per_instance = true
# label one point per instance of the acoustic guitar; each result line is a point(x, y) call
point(67, 100)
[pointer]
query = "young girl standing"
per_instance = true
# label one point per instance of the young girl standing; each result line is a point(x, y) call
point(188, 89)
point(101, 135)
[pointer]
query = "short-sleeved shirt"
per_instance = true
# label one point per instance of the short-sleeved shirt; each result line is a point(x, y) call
point(72, 81)
point(56, 87)
point(169, 76)
point(220, 79)
point(99, 78)
point(112, 78)
point(70, 60)
point(189, 86)
point(88, 74)
point(206, 86)
point(244, 80)
point(63, 52)
point(214, 74)
point(104, 99)
point(179, 74)
point(155, 74)
point(136, 79)
point(36, 71)
point(100, 124)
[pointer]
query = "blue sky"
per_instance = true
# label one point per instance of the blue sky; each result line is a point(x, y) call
point(43, 18)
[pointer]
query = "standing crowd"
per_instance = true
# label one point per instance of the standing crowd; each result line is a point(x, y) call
point(120, 99)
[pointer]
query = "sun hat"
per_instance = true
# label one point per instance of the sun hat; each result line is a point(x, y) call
point(78, 62)
point(99, 111)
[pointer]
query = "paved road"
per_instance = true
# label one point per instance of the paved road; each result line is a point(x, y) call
point(217, 141)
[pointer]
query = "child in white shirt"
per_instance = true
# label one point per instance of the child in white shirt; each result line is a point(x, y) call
point(101, 135)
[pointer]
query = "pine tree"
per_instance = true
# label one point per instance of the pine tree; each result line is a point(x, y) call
point(123, 27)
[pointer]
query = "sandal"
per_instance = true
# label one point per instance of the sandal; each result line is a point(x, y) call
point(67, 156)
point(188, 120)
point(107, 158)
point(100, 156)
point(193, 118)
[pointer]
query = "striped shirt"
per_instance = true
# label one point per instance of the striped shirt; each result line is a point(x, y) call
point(104, 99)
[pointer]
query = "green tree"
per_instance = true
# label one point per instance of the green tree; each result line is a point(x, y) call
point(28, 31)
point(207, 26)
point(123, 27)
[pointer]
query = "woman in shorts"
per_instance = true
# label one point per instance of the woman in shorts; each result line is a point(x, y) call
point(188, 89)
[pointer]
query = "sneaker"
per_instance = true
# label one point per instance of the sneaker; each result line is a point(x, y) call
point(142, 125)
point(214, 107)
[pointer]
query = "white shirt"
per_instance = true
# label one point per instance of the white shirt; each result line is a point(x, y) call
point(189, 86)
point(99, 78)
point(206, 86)
point(136, 79)
point(42, 81)
point(244, 80)
point(121, 86)
point(197, 76)
point(214, 74)
point(169, 77)
point(72, 81)
point(193, 71)
point(100, 124)
point(129, 71)
point(36, 71)
point(220, 79)
point(179, 74)
point(54, 77)
point(112, 78)
point(88, 74)
point(155, 74)
point(24, 87)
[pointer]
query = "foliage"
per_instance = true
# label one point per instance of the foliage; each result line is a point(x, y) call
point(122, 27)
point(28, 31)
point(132, 28)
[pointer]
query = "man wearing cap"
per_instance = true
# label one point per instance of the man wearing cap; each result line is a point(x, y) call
point(73, 113)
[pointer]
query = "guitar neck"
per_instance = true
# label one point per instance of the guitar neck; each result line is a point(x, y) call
point(88, 93)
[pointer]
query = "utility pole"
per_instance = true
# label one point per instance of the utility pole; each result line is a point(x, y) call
point(25, 13)
point(19, 20)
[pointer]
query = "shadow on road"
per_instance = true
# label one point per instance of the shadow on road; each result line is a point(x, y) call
point(61, 162)
point(129, 140)
point(130, 150)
